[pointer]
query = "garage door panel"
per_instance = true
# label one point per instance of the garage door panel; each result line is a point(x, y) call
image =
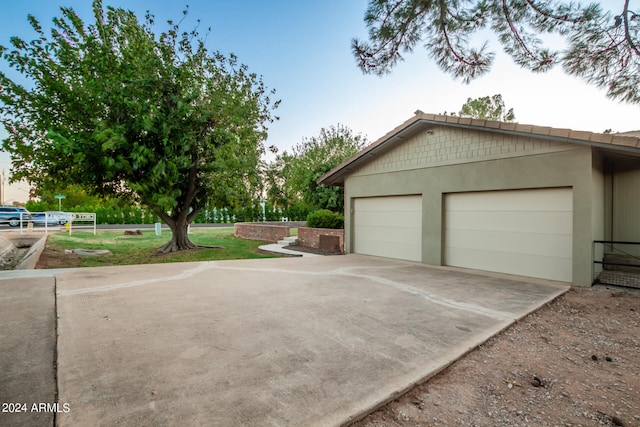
point(520, 243)
point(519, 200)
point(525, 232)
point(397, 250)
point(543, 267)
point(387, 233)
point(540, 222)
point(400, 219)
point(389, 227)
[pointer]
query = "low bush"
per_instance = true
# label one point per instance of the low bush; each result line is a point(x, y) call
point(324, 218)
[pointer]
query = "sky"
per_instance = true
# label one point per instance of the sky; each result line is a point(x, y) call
point(302, 49)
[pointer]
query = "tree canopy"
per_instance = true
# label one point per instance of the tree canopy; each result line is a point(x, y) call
point(113, 107)
point(292, 177)
point(602, 47)
point(487, 108)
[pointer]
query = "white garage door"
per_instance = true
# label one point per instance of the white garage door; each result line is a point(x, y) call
point(522, 232)
point(389, 227)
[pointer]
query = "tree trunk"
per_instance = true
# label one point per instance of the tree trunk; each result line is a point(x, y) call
point(179, 237)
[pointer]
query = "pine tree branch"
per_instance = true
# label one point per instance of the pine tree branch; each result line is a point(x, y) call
point(627, 34)
point(442, 22)
point(563, 18)
point(514, 30)
point(387, 52)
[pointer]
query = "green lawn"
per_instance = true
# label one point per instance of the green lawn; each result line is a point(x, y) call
point(142, 249)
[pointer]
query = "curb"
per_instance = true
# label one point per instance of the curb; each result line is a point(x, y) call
point(33, 255)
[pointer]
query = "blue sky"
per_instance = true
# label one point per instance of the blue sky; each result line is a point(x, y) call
point(302, 49)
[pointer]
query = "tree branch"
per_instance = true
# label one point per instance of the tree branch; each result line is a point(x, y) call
point(514, 31)
point(564, 18)
point(443, 27)
point(393, 44)
point(192, 189)
point(627, 34)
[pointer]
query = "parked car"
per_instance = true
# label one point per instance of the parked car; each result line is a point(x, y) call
point(50, 217)
point(12, 215)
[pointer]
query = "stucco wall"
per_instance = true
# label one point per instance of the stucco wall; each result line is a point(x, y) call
point(626, 203)
point(598, 209)
point(622, 181)
point(522, 164)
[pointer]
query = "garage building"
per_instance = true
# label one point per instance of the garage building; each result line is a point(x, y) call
point(503, 197)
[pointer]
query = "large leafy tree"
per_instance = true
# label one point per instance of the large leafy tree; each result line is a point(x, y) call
point(123, 112)
point(293, 176)
point(602, 47)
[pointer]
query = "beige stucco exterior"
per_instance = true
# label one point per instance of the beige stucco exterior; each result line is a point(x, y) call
point(621, 189)
point(436, 159)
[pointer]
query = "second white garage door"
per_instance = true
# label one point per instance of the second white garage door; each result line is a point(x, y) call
point(522, 232)
point(388, 226)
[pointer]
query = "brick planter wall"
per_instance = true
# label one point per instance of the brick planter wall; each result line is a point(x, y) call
point(270, 232)
point(310, 237)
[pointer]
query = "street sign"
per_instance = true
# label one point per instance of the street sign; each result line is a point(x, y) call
point(60, 197)
point(83, 216)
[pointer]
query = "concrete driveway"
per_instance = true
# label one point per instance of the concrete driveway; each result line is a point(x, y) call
point(272, 342)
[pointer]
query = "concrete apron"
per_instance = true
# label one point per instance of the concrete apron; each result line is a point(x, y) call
point(27, 351)
point(274, 342)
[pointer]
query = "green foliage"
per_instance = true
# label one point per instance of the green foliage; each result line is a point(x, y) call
point(292, 178)
point(603, 48)
point(324, 218)
point(157, 120)
point(75, 198)
point(487, 108)
point(33, 206)
point(108, 210)
point(130, 214)
point(296, 211)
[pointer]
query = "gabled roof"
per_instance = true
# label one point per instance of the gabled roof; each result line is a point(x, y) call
point(423, 121)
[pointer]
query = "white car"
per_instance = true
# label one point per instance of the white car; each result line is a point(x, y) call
point(51, 218)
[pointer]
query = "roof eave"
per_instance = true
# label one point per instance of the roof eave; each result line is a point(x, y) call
point(607, 141)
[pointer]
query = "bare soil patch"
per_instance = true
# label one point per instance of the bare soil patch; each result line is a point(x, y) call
point(575, 362)
point(51, 258)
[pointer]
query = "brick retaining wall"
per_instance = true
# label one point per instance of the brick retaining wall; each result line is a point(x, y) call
point(310, 237)
point(270, 232)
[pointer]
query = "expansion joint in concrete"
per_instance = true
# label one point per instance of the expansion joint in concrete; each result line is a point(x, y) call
point(55, 349)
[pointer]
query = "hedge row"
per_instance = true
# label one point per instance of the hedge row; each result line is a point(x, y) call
point(138, 215)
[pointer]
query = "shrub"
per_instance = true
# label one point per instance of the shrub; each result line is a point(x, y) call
point(324, 218)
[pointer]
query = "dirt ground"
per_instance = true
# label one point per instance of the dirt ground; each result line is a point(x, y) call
point(575, 362)
point(51, 258)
